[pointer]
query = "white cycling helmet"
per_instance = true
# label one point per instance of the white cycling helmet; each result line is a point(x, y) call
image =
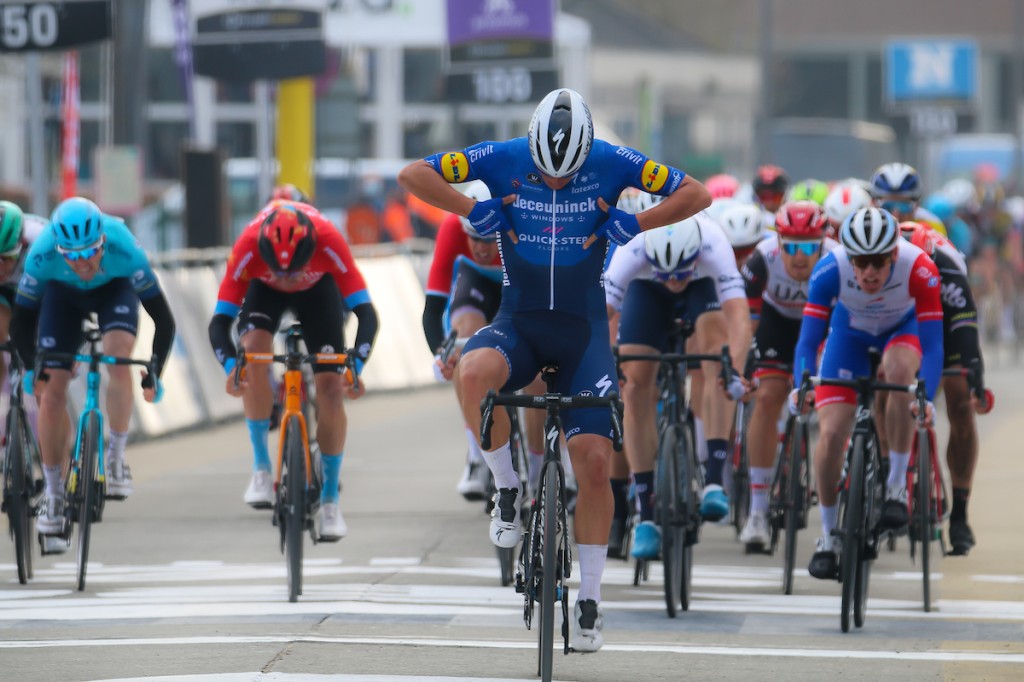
point(962, 193)
point(561, 132)
point(869, 231)
point(743, 224)
point(477, 191)
point(673, 248)
point(844, 199)
point(633, 200)
point(896, 179)
point(719, 206)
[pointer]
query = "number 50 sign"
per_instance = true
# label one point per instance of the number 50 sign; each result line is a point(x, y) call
point(29, 26)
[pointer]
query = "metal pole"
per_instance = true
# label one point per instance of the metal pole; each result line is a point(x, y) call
point(1018, 95)
point(37, 155)
point(765, 114)
point(264, 127)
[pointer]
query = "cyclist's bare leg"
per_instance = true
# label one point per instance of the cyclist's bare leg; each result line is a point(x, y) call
point(332, 425)
point(962, 450)
point(5, 328)
point(54, 420)
point(258, 399)
point(465, 323)
point(900, 364)
point(835, 423)
point(640, 401)
point(479, 371)
point(711, 334)
point(119, 400)
point(762, 437)
point(591, 457)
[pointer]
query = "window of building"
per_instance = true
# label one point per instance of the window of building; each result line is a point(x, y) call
point(163, 150)
point(422, 75)
point(164, 82)
point(237, 139)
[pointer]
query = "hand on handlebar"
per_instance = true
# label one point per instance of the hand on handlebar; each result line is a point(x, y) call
point(929, 412)
point(985, 404)
point(793, 405)
point(738, 386)
point(237, 383)
point(152, 388)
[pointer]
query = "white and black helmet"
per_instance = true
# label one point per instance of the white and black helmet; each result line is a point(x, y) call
point(673, 248)
point(869, 231)
point(477, 191)
point(896, 179)
point(743, 224)
point(561, 132)
point(844, 199)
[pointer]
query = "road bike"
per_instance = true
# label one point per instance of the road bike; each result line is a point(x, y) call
point(297, 481)
point(545, 558)
point(678, 477)
point(22, 471)
point(86, 487)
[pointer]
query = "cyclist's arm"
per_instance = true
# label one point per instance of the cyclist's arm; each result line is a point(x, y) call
point(220, 332)
point(24, 322)
point(163, 320)
point(926, 290)
point(689, 198)
point(433, 320)
point(366, 332)
point(822, 291)
point(755, 278)
point(427, 182)
point(627, 263)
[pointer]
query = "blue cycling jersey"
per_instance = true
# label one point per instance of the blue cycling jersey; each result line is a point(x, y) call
point(123, 257)
point(547, 268)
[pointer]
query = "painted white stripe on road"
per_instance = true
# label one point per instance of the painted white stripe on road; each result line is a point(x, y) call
point(308, 677)
point(931, 656)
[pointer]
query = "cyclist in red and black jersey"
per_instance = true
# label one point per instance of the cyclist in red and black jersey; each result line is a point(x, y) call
point(292, 257)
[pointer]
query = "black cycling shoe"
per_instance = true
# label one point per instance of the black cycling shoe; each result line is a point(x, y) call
point(961, 537)
point(895, 515)
point(825, 562)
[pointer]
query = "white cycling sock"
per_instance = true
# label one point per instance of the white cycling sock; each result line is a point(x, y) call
point(115, 445)
point(760, 485)
point(474, 446)
point(534, 461)
point(54, 479)
point(702, 443)
point(898, 462)
point(829, 517)
point(592, 559)
point(500, 463)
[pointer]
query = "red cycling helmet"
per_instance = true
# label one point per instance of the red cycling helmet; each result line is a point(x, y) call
point(920, 235)
point(770, 179)
point(722, 186)
point(289, 192)
point(800, 220)
point(287, 238)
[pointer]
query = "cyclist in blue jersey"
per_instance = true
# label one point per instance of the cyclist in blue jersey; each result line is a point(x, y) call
point(86, 262)
point(554, 212)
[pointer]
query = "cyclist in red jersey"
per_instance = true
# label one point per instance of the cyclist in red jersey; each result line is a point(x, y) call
point(292, 257)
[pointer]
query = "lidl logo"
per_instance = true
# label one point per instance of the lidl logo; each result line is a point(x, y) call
point(455, 167)
point(654, 176)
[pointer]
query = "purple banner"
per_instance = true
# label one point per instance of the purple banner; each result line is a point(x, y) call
point(483, 20)
point(183, 57)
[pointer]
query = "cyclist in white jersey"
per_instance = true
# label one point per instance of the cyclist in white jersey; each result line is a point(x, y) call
point(18, 231)
point(685, 270)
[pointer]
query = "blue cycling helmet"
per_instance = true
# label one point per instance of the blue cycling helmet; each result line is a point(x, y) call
point(941, 206)
point(76, 223)
point(896, 179)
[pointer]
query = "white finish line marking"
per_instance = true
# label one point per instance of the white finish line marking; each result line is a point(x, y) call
point(308, 677)
point(775, 652)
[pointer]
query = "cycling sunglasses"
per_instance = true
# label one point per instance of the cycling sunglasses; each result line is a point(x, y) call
point(12, 255)
point(874, 260)
point(86, 253)
point(899, 207)
point(676, 276)
point(806, 248)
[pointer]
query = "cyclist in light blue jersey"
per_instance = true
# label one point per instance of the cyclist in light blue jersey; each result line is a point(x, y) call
point(554, 213)
point(86, 262)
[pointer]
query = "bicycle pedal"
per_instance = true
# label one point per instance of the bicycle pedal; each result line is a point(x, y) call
point(115, 496)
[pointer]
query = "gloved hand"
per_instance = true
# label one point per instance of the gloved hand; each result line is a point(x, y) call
point(438, 374)
point(487, 217)
point(28, 382)
point(929, 412)
point(620, 227)
point(736, 388)
point(792, 403)
point(151, 382)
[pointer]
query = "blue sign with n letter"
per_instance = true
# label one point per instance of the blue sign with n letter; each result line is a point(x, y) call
point(939, 71)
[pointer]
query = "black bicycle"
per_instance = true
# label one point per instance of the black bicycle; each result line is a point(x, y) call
point(545, 559)
point(862, 491)
point(85, 491)
point(792, 493)
point(678, 478)
point(22, 471)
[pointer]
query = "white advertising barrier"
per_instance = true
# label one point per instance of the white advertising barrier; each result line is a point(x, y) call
point(192, 302)
point(400, 357)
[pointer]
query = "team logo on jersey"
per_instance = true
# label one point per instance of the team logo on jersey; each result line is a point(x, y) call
point(654, 176)
point(454, 167)
point(533, 177)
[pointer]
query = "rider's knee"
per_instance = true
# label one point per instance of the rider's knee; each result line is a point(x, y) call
point(329, 389)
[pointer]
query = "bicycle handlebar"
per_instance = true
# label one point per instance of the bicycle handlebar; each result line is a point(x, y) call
point(549, 401)
point(346, 359)
point(451, 342)
point(973, 375)
point(725, 374)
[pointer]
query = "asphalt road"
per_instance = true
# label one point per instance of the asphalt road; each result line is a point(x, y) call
point(187, 582)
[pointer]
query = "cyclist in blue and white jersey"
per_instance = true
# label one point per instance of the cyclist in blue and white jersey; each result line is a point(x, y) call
point(554, 193)
point(875, 290)
point(86, 262)
point(683, 271)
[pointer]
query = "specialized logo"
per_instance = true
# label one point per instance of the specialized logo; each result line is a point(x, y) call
point(533, 177)
point(558, 137)
point(603, 384)
point(455, 167)
point(654, 176)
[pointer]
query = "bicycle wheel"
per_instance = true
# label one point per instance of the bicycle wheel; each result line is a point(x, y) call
point(740, 498)
point(548, 570)
point(690, 478)
point(85, 492)
point(796, 452)
point(852, 523)
point(673, 528)
point(293, 482)
point(16, 494)
point(923, 511)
